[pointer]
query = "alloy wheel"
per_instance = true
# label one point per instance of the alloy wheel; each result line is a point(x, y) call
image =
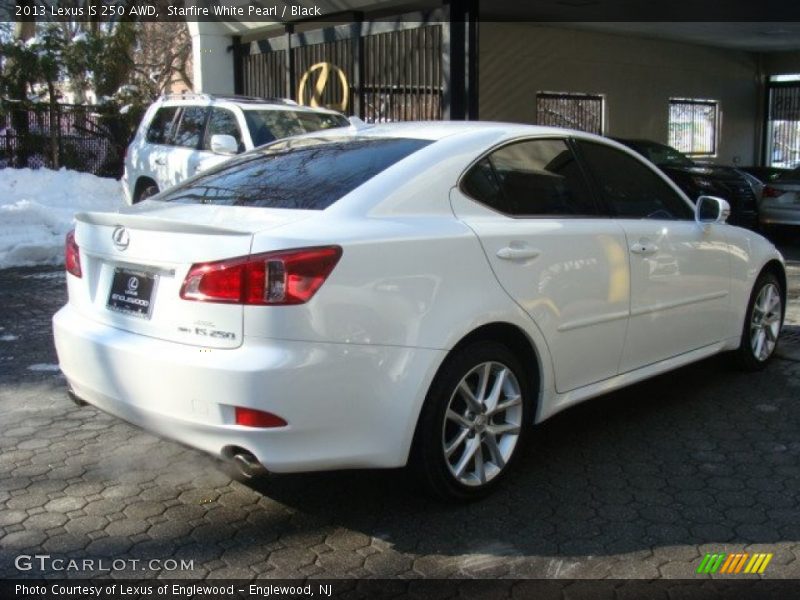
point(482, 423)
point(765, 322)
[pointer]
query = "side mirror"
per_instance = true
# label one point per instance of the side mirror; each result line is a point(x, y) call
point(356, 123)
point(710, 209)
point(224, 144)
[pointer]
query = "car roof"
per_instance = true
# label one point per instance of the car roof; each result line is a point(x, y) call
point(242, 102)
point(439, 130)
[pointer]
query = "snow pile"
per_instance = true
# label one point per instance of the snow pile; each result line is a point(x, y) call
point(37, 208)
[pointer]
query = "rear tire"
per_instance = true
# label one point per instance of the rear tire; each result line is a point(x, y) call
point(762, 324)
point(473, 423)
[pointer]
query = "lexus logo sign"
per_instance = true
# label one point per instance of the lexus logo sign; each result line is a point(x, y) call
point(120, 237)
point(319, 78)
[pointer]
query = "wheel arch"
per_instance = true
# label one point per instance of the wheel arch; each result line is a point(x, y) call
point(141, 182)
point(775, 267)
point(515, 338)
point(518, 343)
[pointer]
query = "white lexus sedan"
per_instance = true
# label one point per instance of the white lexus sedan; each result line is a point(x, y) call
point(418, 294)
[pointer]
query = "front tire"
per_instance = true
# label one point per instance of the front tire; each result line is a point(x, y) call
point(473, 423)
point(762, 324)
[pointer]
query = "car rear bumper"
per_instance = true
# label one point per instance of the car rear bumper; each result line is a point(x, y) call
point(347, 406)
point(780, 215)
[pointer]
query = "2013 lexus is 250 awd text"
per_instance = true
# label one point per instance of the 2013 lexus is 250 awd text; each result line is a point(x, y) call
point(416, 294)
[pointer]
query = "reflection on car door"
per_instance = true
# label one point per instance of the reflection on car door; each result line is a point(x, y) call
point(182, 157)
point(553, 253)
point(680, 270)
point(153, 160)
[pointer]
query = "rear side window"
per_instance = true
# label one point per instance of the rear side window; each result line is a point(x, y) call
point(481, 183)
point(304, 173)
point(161, 125)
point(191, 127)
point(531, 178)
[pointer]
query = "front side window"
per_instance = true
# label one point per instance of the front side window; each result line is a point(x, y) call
point(309, 173)
point(630, 188)
point(534, 178)
point(160, 128)
point(222, 122)
point(583, 112)
point(190, 127)
point(269, 125)
point(693, 126)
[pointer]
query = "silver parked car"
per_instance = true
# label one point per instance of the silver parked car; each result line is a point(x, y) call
point(780, 200)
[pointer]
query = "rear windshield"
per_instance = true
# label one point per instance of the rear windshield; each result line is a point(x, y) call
point(269, 125)
point(309, 173)
point(661, 155)
point(793, 175)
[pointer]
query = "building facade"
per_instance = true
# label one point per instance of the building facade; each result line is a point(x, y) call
point(723, 92)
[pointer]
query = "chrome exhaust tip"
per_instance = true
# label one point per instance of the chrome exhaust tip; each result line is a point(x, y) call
point(245, 463)
point(249, 466)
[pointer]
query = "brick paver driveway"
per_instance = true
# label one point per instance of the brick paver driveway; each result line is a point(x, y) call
point(640, 483)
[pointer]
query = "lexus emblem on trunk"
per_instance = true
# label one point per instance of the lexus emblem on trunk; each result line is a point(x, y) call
point(120, 237)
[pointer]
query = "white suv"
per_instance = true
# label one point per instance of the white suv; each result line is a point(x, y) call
point(181, 135)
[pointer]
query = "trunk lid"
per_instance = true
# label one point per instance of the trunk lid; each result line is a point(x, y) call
point(134, 263)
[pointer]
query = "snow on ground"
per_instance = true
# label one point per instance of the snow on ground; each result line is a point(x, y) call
point(37, 208)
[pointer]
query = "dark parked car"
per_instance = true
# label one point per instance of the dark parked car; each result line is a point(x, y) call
point(703, 180)
point(765, 174)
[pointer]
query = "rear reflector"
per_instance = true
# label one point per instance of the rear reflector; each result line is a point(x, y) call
point(250, 417)
point(72, 255)
point(273, 278)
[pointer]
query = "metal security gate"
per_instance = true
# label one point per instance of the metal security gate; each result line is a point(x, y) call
point(783, 125)
point(264, 74)
point(403, 75)
point(380, 71)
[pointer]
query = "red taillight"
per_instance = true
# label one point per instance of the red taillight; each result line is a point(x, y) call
point(72, 255)
point(272, 278)
point(250, 417)
point(771, 192)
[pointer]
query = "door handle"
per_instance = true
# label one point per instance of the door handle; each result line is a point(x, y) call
point(644, 248)
point(517, 253)
point(160, 161)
